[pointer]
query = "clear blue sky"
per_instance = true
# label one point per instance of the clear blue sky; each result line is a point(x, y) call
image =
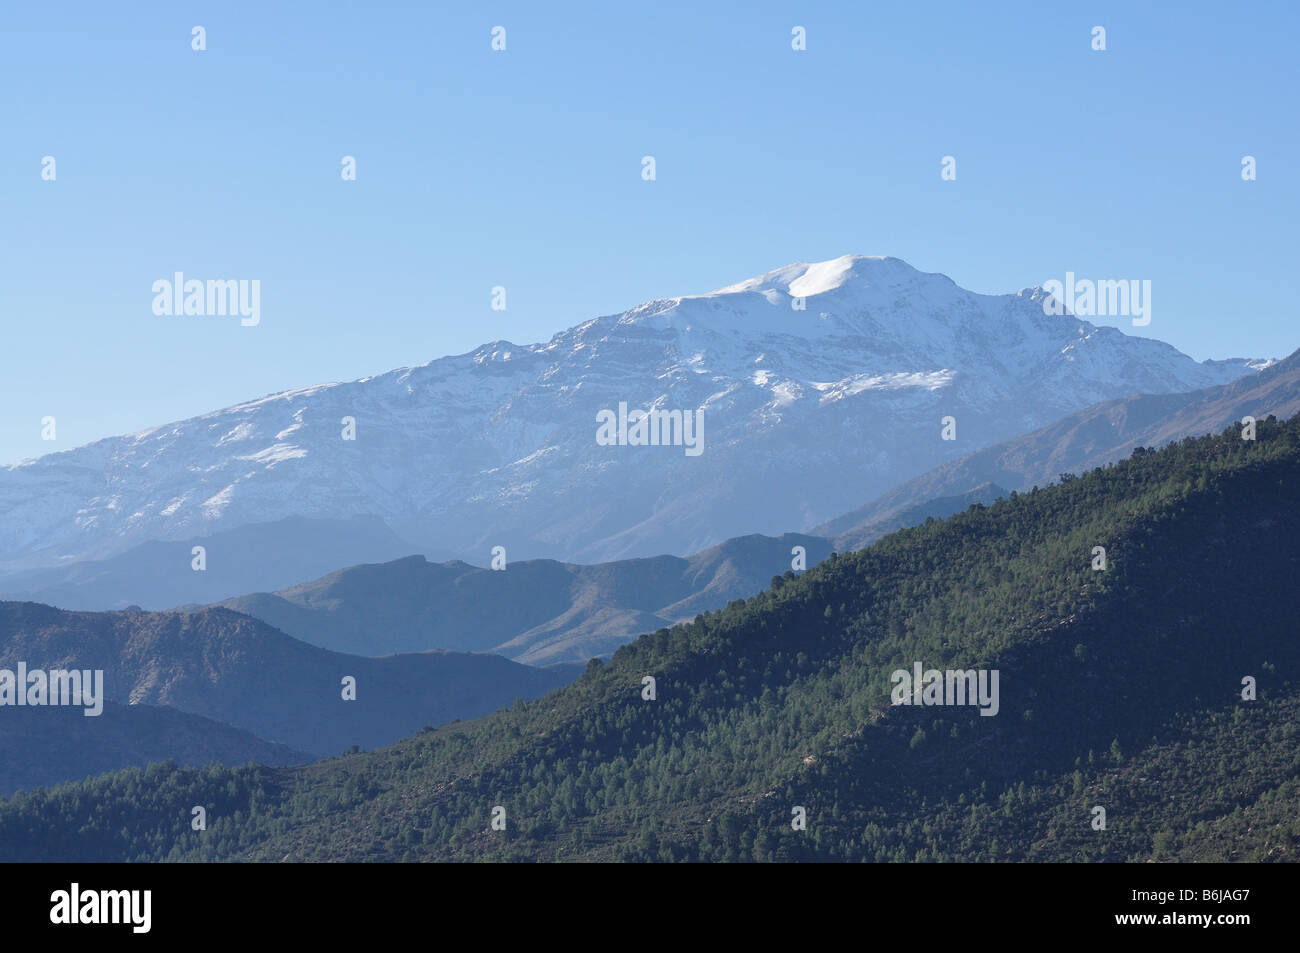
point(477, 168)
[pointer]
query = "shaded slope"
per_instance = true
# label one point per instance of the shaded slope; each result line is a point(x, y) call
point(232, 668)
point(46, 746)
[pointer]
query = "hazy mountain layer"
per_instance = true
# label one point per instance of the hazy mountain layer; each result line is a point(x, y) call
point(535, 611)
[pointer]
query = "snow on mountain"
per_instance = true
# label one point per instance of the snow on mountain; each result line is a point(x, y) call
point(822, 385)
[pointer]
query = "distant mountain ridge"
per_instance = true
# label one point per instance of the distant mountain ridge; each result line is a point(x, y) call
point(238, 670)
point(821, 385)
point(538, 612)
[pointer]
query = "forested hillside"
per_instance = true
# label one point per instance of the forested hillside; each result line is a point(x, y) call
point(1120, 688)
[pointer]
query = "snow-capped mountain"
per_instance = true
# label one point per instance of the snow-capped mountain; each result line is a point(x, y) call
point(822, 386)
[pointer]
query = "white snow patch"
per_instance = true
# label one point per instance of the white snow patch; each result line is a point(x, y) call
point(822, 277)
point(786, 392)
point(244, 431)
point(172, 507)
point(214, 504)
point(278, 453)
point(930, 380)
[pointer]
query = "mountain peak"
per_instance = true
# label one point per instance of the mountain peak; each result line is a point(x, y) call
point(805, 279)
